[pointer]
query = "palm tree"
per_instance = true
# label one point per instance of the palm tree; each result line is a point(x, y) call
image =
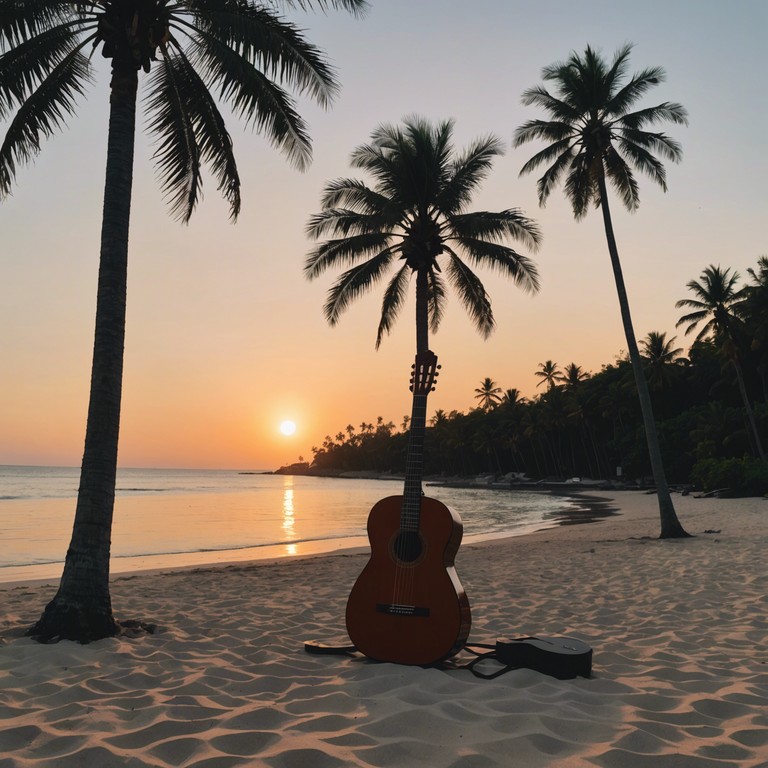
point(488, 393)
point(662, 359)
point(549, 374)
point(719, 302)
point(241, 49)
point(416, 213)
point(593, 137)
point(573, 375)
point(513, 397)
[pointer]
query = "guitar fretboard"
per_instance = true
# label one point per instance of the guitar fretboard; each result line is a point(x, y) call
point(409, 516)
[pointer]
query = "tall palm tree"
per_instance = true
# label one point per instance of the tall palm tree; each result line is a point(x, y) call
point(593, 137)
point(415, 214)
point(719, 302)
point(241, 49)
point(549, 373)
point(488, 393)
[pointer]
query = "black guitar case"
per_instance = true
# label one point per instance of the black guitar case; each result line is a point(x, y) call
point(560, 657)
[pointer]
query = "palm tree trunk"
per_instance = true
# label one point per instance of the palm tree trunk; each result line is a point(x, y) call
point(422, 311)
point(82, 607)
point(748, 408)
point(670, 525)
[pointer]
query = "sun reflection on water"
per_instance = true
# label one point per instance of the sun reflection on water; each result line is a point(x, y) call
point(289, 517)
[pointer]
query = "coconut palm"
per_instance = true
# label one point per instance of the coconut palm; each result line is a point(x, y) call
point(239, 49)
point(549, 373)
point(662, 359)
point(594, 138)
point(719, 302)
point(414, 218)
point(513, 397)
point(573, 375)
point(488, 393)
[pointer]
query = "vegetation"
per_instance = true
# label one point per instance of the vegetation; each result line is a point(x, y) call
point(594, 138)
point(240, 49)
point(416, 214)
point(589, 425)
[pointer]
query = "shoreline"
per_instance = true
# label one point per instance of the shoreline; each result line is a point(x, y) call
point(678, 627)
point(590, 509)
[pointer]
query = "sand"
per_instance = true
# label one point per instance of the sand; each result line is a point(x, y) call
point(680, 670)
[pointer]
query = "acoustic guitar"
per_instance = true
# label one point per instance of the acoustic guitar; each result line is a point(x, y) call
point(408, 605)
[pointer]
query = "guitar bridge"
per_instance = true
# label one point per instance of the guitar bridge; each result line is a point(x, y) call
point(397, 609)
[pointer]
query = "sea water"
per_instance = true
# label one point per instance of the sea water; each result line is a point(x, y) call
point(167, 517)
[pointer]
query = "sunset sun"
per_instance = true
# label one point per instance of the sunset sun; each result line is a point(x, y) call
point(288, 427)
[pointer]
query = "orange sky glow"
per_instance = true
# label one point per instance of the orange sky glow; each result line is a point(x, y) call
point(225, 337)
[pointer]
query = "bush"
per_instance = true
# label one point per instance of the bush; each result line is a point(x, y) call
point(746, 476)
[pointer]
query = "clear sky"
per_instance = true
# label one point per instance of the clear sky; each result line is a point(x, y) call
point(226, 338)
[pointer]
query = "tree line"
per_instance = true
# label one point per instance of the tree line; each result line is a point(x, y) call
point(194, 57)
point(711, 408)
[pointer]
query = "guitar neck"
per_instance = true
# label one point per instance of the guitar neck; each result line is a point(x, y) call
point(414, 466)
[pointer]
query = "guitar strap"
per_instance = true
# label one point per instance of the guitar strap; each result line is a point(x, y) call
point(500, 653)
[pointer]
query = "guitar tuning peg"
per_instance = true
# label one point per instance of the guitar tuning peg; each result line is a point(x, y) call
point(433, 389)
point(439, 366)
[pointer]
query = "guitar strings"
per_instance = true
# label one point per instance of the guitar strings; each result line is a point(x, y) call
point(408, 539)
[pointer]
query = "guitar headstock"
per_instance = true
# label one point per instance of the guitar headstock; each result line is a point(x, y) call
point(424, 372)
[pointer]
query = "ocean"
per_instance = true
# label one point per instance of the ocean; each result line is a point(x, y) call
point(178, 517)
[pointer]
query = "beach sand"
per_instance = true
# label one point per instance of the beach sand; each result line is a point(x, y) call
point(680, 670)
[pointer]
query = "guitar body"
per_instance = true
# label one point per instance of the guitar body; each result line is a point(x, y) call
point(408, 605)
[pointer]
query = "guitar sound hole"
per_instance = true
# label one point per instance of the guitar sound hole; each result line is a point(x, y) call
point(408, 546)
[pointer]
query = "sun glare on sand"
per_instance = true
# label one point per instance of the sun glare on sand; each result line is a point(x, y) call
point(288, 427)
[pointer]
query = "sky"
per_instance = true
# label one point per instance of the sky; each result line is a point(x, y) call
point(226, 338)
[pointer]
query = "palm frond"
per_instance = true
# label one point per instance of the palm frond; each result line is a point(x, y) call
point(544, 130)
point(579, 186)
point(671, 111)
point(355, 7)
point(496, 226)
point(42, 114)
point(693, 319)
point(262, 103)
point(352, 283)
point(343, 222)
point(564, 153)
point(268, 43)
point(621, 177)
point(178, 154)
point(26, 65)
point(558, 109)
point(435, 299)
point(356, 195)
point(465, 174)
point(472, 295)
point(20, 21)
point(643, 160)
point(377, 159)
point(394, 298)
point(348, 250)
point(640, 83)
point(502, 259)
